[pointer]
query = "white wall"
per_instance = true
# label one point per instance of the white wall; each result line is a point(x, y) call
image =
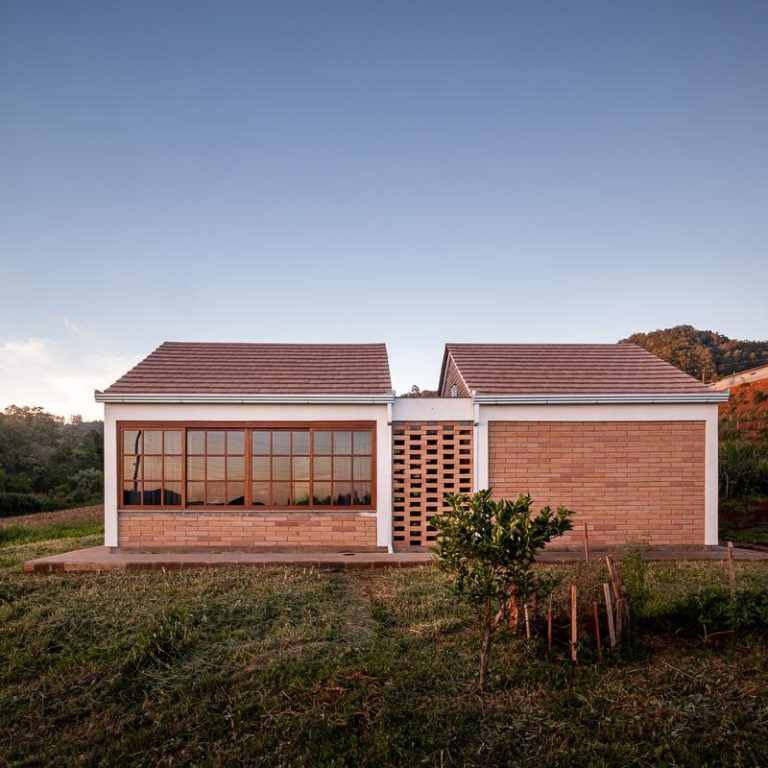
point(706, 412)
point(183, 413)
point(432, 409)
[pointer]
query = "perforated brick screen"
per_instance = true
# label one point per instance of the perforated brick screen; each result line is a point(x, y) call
point(429, 460)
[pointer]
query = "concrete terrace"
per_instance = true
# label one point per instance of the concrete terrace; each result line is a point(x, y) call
point(108, 559)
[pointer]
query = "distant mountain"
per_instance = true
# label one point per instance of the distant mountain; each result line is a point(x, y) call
point(704, 354)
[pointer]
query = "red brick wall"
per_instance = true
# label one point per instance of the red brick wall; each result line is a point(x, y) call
point(634, 482)
point(307, 530)
point(452, 377)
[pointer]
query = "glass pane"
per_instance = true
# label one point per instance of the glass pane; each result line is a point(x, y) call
point(260, 494)
point(362, 493)
point(281, 494)
point(322, 493)
point(195, 493)
point(196, 441)
point(323, 468)
point(235, 494)
point(172, 494)
point(281, 468)
point(342, 494)
point(342, 442)
point(281, 443)
point(131, 441)
point(216, 493)
point(173, 467)
point(153, 467)
point(362, 442)
point(300, 494)
point(322, 443)
point(301, 443)
point(172, 442)
point(153, 494)
point(236, 442)
point(215, 468)
point(216, 442)
point(235, 468)
point(301, 468)
point(260, 442)
point(342, 468)
point(260, 468)
point(196, 468)
point(132, 468)
point(153, 441)
point(362, 467)
point(131, 493)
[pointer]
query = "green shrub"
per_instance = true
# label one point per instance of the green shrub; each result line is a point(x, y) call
point(743, 469)
point(25, 504)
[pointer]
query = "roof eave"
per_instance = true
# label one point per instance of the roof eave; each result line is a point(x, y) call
point(604, 399)
point(228, 398)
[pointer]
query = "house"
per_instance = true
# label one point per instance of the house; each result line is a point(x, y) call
point(305, 445)
point(741, 377)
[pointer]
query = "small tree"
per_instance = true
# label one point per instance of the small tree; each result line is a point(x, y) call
point(489, 547)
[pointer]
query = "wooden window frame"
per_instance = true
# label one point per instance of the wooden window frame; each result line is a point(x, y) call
point(248, 426)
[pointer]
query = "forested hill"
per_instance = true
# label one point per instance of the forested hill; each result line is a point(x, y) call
point(704, 354)
point(47, 463)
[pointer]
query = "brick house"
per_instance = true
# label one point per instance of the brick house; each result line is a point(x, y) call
point(306, 446)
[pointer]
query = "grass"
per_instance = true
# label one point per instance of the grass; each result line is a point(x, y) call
point(291, 667)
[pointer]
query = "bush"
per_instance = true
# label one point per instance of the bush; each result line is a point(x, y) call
point(743, 469)
point(715, 609)
point(25, 504)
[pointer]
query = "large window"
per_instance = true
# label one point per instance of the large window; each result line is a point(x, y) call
point(257, 466)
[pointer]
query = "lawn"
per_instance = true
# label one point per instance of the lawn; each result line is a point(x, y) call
point(291, 667)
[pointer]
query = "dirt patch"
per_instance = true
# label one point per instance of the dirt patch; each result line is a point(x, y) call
point(43, 519)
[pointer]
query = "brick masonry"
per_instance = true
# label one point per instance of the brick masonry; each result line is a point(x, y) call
point(634, 482)
point(429, 459)
point(300, 530)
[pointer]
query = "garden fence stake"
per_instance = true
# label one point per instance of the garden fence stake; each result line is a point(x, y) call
point(731, 571)
point(597, 631)
point(609, 612)
point(612, 577)
point(527, 622)
point(549, 625)
point(586, 541)
point(574, 626)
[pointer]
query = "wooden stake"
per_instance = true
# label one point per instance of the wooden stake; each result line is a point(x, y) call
point(609, 611)
point(549, 625)
point(612, 577)
point(596, 614)
point(731, 570)
point(574, 624)
point(586, 541)
point(527, 622)
point(514, 614)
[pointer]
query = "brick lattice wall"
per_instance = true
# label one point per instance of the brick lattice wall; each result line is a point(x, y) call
point(430, 459)
point(634, 482)
point(298, 530)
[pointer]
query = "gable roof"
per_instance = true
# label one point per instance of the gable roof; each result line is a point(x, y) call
point(243, 370)
point(570, 372)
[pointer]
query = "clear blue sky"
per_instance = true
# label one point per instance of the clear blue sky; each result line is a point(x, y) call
point(410, 172)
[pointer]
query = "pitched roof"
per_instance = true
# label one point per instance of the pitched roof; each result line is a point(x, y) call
point(566, 369)
point(254, 369)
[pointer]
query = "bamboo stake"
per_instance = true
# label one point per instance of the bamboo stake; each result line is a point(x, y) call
point(731, 570)
point(527, 622)
point(574, 625)
point(514, 614)
point(549, 625)
point(596, 614)
point(586, 541)
point(612, 576)
point(609, 611)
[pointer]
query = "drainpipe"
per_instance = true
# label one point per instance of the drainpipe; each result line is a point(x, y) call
point(388, 464)
point(475, 443)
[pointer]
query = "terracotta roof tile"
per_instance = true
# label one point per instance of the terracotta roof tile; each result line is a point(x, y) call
point(286, 369)
point(565, 369)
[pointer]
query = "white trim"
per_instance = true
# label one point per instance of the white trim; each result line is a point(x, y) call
point(110, 481)
point(711, 521)
point(240, 399)
point(385, 524)
point(629, 399)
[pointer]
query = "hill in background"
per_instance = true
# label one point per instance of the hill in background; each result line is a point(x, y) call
point(706, 355)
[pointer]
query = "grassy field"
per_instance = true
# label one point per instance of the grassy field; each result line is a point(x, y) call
point(288, 667)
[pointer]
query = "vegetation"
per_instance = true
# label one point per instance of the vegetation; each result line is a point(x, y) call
point(706, 355)
point(46, 463)
point(488, 547)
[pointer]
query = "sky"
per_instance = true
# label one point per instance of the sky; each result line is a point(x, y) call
point(410, 172)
